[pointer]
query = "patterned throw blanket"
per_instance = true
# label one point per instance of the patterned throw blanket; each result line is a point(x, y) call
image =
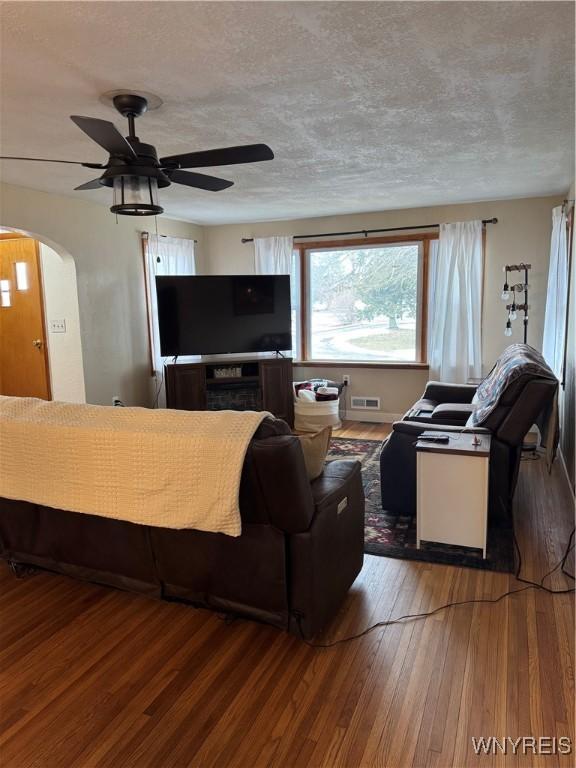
point(174, 469)
point(516, 360)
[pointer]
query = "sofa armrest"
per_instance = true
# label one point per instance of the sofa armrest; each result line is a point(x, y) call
point(452, 413)
point(325, 559)
point(415, 428)
point(331, 486)
point(442, 392)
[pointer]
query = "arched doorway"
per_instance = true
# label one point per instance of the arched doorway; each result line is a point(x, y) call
point(57, 337)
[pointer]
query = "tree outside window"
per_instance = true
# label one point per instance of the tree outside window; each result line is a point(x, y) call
point(363, 303)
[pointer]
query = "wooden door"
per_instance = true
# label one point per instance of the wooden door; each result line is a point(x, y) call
point(23, 353)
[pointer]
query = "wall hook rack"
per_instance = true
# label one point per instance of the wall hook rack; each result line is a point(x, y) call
point(510, 291)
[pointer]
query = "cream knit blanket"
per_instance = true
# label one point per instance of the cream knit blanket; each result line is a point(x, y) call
point(174, 469)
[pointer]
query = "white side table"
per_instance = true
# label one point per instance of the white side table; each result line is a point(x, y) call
point(452, 491)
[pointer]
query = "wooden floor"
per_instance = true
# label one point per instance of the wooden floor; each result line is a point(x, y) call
point(94, 677)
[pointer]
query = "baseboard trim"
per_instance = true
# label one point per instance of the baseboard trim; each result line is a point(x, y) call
point(565, 471)
point(378, 417)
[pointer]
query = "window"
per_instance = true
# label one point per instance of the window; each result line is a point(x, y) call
point(5, 300)
point(163, 256)
point(21, 276)
point(296, 305)
point(363, 301)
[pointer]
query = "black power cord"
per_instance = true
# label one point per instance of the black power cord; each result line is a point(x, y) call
point(157, 395)
point(563, 562)
point(530, 585)
point(560, 564)
point(159, 389)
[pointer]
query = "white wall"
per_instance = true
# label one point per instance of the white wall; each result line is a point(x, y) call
point(110, 278)
point(522, 234)
point(61, 305)
point(111, 296)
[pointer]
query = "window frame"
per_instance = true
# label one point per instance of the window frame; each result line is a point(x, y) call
point(304, 247)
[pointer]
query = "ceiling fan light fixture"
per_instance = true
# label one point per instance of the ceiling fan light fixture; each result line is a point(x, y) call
point(134, 171)
point(136, 196)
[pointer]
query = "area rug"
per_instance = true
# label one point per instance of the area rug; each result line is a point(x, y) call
point(395, 535)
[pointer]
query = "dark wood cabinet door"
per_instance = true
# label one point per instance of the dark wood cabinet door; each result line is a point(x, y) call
point(186, 387)
point(276, 383)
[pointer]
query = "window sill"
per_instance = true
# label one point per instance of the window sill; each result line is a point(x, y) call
point(360, 364)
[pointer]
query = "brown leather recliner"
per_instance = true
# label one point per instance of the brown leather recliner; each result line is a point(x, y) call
point(447, 408)
point(301, 546)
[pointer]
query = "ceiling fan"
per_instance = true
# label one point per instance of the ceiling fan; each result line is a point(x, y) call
point(133, 169)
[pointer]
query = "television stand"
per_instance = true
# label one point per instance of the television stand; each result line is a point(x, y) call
point(259, 383)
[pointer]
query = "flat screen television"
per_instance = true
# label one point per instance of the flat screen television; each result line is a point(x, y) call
point(218, 314)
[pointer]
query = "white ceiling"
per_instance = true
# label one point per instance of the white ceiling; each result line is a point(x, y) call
point(368, 106)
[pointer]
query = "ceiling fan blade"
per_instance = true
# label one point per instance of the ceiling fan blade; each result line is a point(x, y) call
point(250, 153)
point(94, 184)
point(104, 133)
point(199, 180)
point(49, 160)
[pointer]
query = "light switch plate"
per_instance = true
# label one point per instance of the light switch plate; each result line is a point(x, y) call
point(58, 326)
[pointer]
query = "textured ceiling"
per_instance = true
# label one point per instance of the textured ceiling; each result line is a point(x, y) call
point(368, 106)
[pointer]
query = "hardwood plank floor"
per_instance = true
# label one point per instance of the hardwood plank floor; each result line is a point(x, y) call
point(96, 678)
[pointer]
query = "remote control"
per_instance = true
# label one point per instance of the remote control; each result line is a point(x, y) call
point(434, 439)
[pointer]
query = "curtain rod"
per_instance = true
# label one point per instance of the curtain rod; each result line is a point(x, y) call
point(147, 234)
point(367, 232)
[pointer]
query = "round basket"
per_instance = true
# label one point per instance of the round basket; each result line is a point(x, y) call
point(310, 416)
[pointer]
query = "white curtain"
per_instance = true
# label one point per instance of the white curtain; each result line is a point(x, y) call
point(276, 256)
point(164, 256)
point(455, 301)
point(432, 271)
point(557, 295)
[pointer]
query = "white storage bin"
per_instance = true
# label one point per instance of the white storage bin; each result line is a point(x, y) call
point(311, 416)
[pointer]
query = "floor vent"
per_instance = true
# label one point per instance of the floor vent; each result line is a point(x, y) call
point(365, 402)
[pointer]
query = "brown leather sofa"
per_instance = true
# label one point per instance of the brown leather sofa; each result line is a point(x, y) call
point(301, 546)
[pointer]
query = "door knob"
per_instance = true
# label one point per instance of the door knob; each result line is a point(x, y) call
point(37, 343)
